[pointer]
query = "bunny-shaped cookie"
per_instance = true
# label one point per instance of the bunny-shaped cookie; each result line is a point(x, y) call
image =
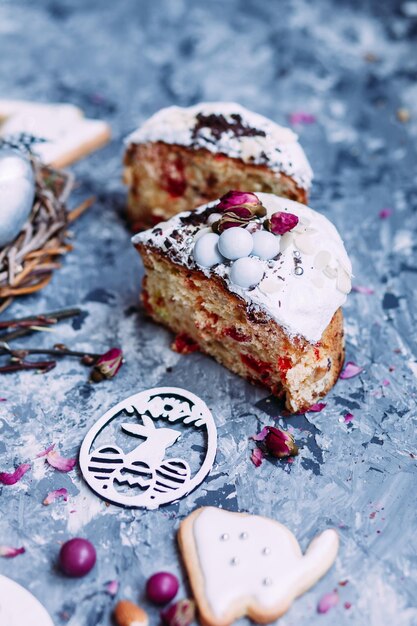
point(241, 564)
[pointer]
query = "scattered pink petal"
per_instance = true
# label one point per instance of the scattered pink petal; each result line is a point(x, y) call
point(366, 291)
point(347, 605)
point(54, 495)
point(327, 602)
point(343, 583)
point(9, 553)
point(349, 417)
point(316, 408)
point(14, 477)
point(385, 382)
point(46, 451)
point(3, 399)
point(301, 117)
point(59, 462)
point(260, 436)
point(385, 213)
point(257, 457)
point(112, 587)
point(350, 370)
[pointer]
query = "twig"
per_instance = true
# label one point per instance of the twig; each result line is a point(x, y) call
point(53, 316)
point(45, 366)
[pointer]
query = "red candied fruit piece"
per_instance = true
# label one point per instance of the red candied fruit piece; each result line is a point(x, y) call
point(184, 344)
point(259, 366)
point(174, 180)
point(236, 334)
point(284, 364)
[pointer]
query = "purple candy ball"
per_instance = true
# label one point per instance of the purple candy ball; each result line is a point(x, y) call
point(77, 557)
point(162, 587)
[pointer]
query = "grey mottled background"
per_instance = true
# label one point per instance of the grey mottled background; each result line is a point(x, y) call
point(351, 64)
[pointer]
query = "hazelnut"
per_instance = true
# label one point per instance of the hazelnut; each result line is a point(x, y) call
point(127, 613)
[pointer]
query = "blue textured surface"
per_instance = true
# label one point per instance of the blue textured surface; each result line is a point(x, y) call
point(352, 65)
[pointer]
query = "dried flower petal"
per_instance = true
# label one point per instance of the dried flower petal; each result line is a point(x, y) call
point(59, 462)
point(46, 451)
point(230, 219)
point(260, 436)
point(9, 553)
point(107, 365)
point(327, 602)
point(181, 613)
point(280, 443)
point(112, 587)
point(300, 117)
point(316, 408)
point(385, 213)
point(349, 417)
point(257, 457)
point(350, 370)
point(366, 291)
point(14, 477)
point(54, 495)
point(281, 222)
point(385, 382)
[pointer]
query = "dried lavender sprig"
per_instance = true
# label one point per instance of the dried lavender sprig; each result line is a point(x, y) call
point(22, 332)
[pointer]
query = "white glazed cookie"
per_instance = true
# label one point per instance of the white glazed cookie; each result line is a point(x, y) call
point(69, 135)
point(248, 565)
point(18, 607)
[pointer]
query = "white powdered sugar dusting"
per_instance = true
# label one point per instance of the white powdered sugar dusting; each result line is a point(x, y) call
point(301, 288)
point(240, 134)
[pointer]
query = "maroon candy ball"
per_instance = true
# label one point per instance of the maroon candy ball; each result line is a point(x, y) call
point(162, 587)
point(77, 557)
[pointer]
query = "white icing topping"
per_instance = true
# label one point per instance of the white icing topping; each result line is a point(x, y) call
point(260, 563)
point(311, 283)
point(278, 149)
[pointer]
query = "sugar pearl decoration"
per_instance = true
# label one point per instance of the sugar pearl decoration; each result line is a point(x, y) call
point(267, 582)
point(266, 551)
point(17, 192)
point(246, 272)
point(205, 251)
point(234, 561)
point(244, 535)
point(224, 537)
point(235, 243)
point(265, 245)
point(214, 217)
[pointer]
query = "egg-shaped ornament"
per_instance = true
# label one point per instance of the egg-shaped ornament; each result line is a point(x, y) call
point(265, 245)
point(17, 193)
point(246, 272)
point(206, 252)
point(235, 243)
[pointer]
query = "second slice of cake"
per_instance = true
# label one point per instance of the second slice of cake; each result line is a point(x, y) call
point(257, 282)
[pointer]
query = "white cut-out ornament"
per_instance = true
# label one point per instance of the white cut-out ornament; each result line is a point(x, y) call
point(19, 607)
point(176, 451)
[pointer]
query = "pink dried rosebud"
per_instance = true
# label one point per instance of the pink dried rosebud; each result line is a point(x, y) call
point(281, 222)
point(107, 365)
point(244, 203)
point(231, 219)
point(181, 613)
point(280, 443)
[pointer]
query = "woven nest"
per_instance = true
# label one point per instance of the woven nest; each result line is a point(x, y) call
point(28, 262)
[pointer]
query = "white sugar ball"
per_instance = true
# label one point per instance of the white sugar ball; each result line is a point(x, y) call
point(265, 244)
point(17, 192)
point(206, 252)
point(246, 272)
point(235, 243)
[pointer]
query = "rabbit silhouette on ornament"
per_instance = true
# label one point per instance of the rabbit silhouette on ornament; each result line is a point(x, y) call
point(144, 468)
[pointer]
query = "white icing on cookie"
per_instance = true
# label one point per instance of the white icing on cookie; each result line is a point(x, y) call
point(18, 607)
point(274, 146)
point(312, 273)
point(245, 557)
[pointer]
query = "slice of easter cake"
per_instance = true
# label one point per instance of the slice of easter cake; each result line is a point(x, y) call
point(257, 282)
point(183, 157)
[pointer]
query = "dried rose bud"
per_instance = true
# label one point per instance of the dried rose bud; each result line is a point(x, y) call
point(107, 365)
point(248, 204)
point(181, 613)
point(230, 219)
point(280, 443)
point(281, 222)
